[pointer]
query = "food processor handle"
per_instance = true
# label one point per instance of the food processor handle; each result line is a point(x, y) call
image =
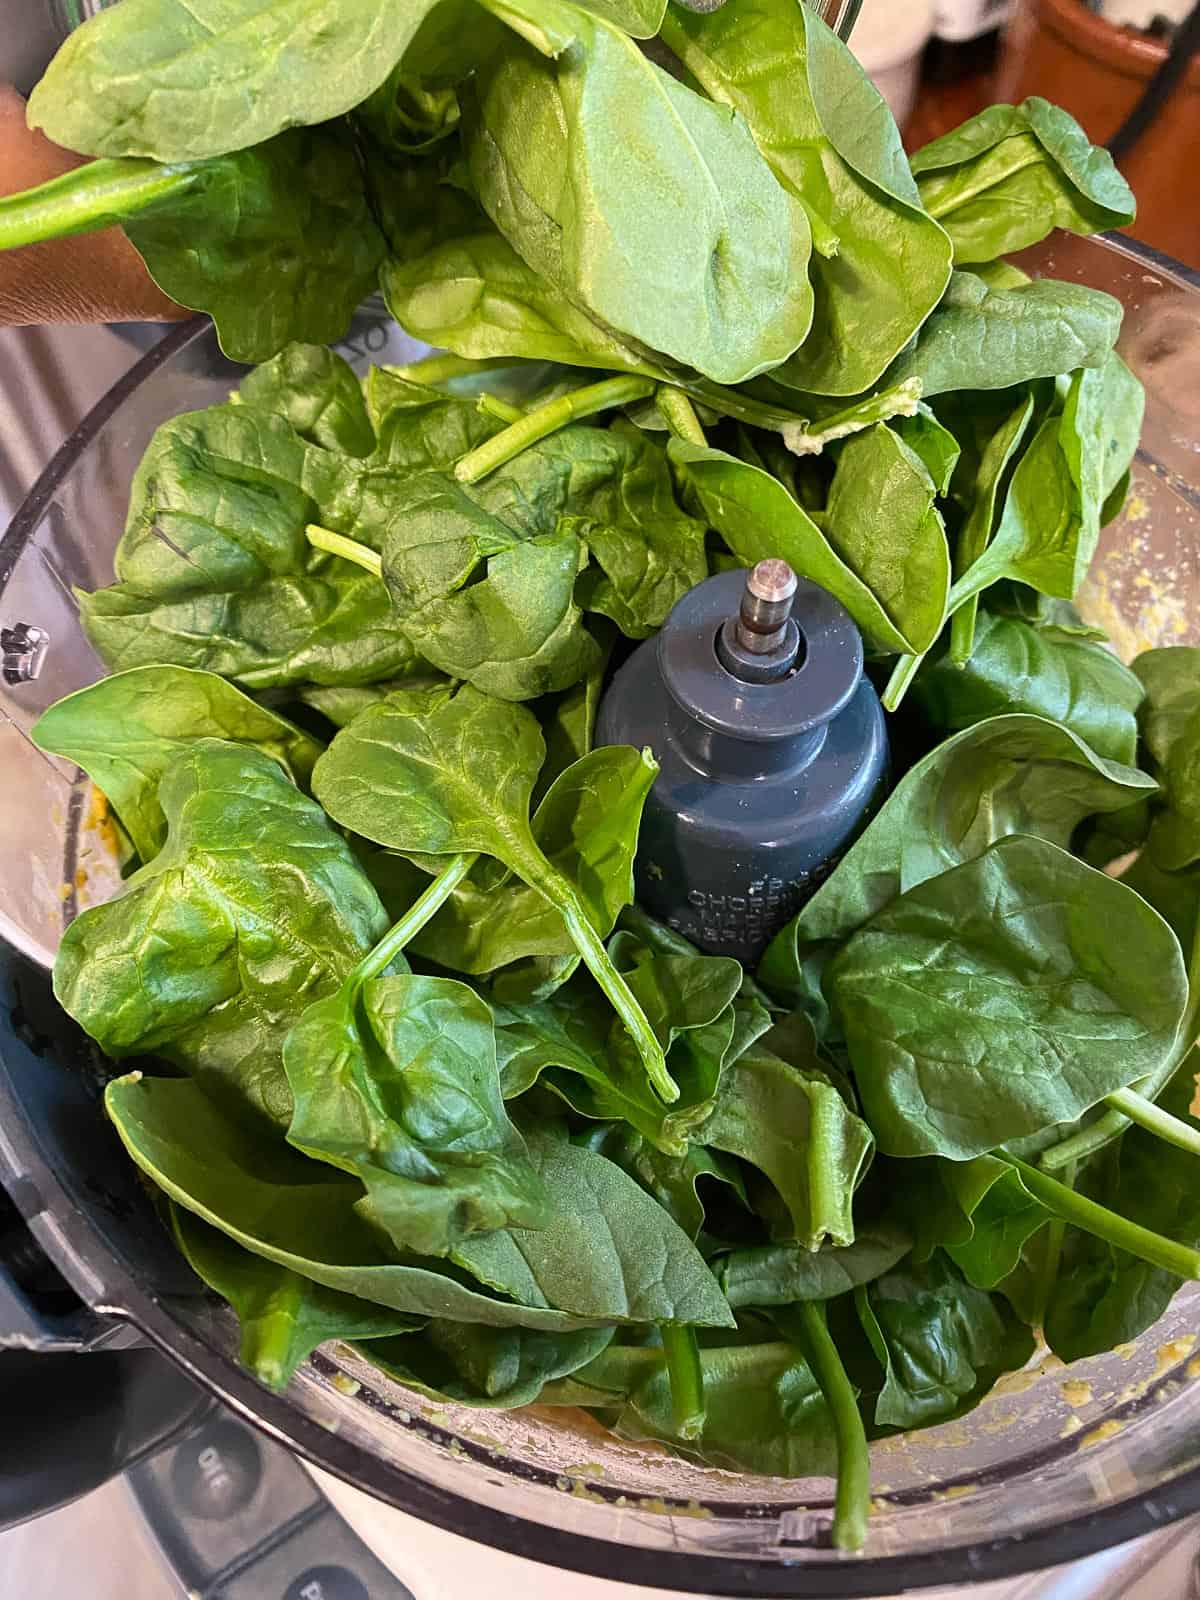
point(82, 1396)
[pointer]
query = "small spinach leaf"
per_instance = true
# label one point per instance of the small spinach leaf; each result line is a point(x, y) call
point(781, 1274)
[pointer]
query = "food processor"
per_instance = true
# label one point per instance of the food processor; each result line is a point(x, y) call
point(1054, 1464)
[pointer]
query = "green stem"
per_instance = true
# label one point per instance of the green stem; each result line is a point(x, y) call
point(852, 1503)
point(1096, 1219)
point(676, 411)
point(903, 674)
point(972, 542)
point(1079, 1146)
point(91, 197)
point(562, 894)
point(1055, 1232)
point(548, 419)
point(1173, 1130)
point(414, 919)
point(433, 370)
point(492, 406)
point(961, 196)
point(682, 1351)
point(339, 545)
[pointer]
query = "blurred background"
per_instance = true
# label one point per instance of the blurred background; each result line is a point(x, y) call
point(1128, 70)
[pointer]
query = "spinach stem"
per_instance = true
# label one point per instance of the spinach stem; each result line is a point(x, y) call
point(562, 894)
point(433, 370)
point(678, 414)
point(1114, 1122)
point(903, 674)
point(972, 542)
point(682, 1350)
point(961, 195)
point(339, 545)
point(1055, 1232)
point(852, 1503)
point(548, 419)
point(1171, 1129)
point(492, 406)
point(415, 918)
point(1108, 1225)
point(91, 197)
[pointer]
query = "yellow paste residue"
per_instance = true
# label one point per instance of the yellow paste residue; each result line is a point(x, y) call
point(1106, 1430)
point(1077, 1393)
point(1070, 1426)
point(1171, 1354)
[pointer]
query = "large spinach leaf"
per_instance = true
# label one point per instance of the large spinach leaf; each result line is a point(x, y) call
point(608, 1250)
point(283, 1316)
point(978, 1211)
point(439, 773)
point(880, 263)
point(1011, 174)
point(703, 222)
point(941, 1342)
point(1007, 775)
point(395, 1081)
point(992, 338)
point(175, 79)
point(127, 731)
point(1017, 667)
point(253, 903)
point(674, 1181)
point(302, 1215)
point(984, 1004)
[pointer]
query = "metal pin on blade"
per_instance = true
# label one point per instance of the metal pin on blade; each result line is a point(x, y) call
point(766, 607)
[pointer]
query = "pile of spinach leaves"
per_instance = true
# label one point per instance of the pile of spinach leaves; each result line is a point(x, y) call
point(436, 1085)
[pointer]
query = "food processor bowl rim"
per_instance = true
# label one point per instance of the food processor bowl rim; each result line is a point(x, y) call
point(116, 1292)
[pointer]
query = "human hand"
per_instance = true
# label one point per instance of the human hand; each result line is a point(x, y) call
point(98, 277)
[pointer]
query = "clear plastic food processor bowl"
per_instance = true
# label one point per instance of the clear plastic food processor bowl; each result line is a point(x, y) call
point(1051, 1466)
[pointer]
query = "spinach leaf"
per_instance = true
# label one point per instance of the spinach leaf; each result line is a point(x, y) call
point(934, 445)
point(1015, 667)
point(329, 624)
point(978, 1211)
point(1007, 775)
point(276, 243)
point(283, 1316)
point(395, 1081)
point(764, 1408)
point(702, 223)
point(985, 338)
point(1012, 174)
point(793, 1125)
point(608, 1251)
point(1101, 1295)
point(573, 1045)
point(782, 1274)
point(984, 1004)
point(253, 902)
point(941, 1342)
point(880, 263)
point(1171, 728)
point(757, 517)
point(587, 827)
point(674, 1181)
point(460, 1363)
point(442, 773)
point(297, 1213)
point(318, 393)
point(882, 521)
point(176, 79)
point(127, 731)
point(341, 703)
